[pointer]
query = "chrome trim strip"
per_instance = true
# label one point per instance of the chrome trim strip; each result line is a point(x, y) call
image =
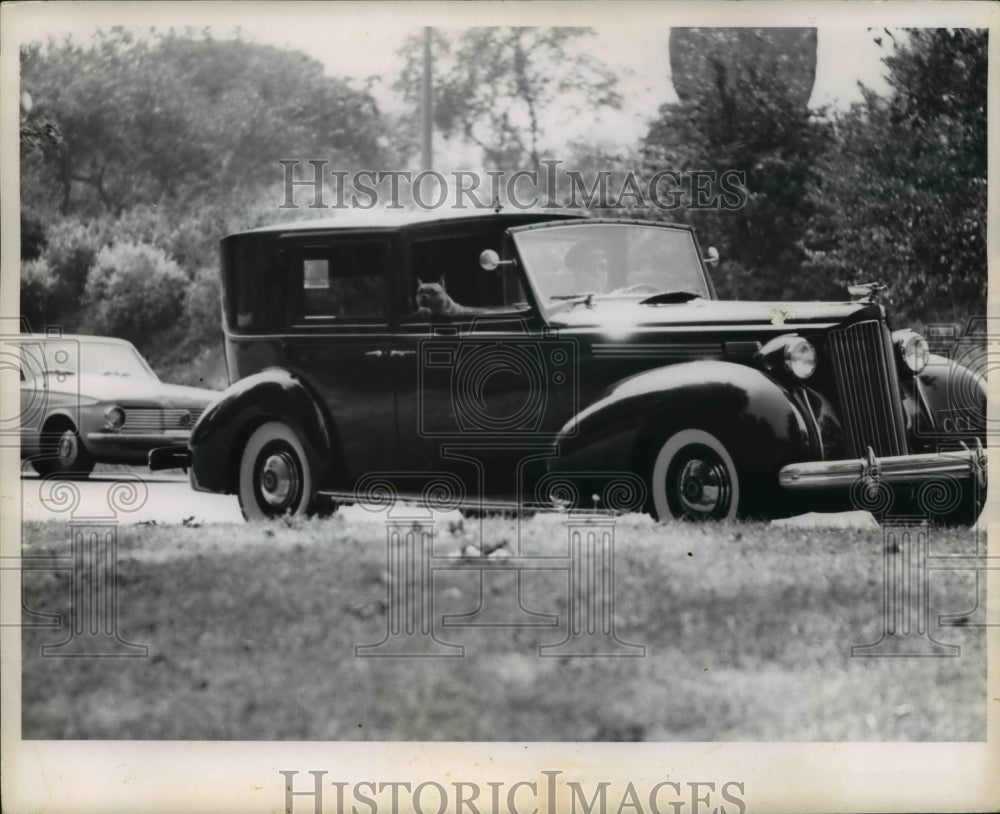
point(562, 331)
point(698, 350)
point(868, 388)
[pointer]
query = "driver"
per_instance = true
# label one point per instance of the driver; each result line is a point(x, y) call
point(589, 263)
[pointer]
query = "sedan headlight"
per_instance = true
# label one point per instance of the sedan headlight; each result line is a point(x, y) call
point(789, 354)
point(114, 417)
point(913, 350)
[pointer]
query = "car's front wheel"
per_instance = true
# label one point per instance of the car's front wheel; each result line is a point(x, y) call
point(694, 478)
point(63, 453)
point(274, 477)
point(952, 503)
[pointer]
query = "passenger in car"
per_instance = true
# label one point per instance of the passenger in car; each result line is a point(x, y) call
point(589, 264)
point(433, 301)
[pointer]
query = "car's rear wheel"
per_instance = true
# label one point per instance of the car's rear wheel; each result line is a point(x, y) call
point(694, 478)
point(63, 453)
point(274, 477)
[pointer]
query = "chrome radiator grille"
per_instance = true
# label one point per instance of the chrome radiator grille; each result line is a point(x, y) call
point(868, 389)
point(156, 419)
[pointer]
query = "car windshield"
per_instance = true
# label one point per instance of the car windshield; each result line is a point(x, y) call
point(611, 260)
point(95, 359)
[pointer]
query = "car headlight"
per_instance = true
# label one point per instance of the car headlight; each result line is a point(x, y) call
point(114, 417)
point(800, 358)
point(913, 350)
point(789, 354)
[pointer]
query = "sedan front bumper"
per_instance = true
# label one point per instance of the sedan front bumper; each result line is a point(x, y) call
point(963, 463)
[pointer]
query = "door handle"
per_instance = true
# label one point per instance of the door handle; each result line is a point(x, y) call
point(378, 354)
point(395, 354)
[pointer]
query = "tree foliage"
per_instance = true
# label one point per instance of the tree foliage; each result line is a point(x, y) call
point(179, 117)
point(903, 187)
point(496, 86)
point(134, 291)
point(742, 107)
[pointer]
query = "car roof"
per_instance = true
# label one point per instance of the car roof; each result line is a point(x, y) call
point(388, 219)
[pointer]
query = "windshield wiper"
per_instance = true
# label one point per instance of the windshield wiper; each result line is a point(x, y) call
point(575, 299)
point(667, 297)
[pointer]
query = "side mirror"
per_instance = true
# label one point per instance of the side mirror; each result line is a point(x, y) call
point(490, 260)
point(711, 257)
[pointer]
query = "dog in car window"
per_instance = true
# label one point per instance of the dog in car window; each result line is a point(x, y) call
point(433, 301)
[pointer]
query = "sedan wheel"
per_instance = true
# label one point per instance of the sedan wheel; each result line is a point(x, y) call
point(694, 478)
point(64, 454)
point(274, 478)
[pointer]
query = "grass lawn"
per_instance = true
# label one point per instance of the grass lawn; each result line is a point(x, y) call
point(747, 632)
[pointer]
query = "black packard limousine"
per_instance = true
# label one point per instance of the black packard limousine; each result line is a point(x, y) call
point(526, 359)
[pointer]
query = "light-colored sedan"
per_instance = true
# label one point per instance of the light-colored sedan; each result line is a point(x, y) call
point(93, 399)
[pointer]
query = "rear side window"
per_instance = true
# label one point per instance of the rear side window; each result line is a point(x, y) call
point(344, 282)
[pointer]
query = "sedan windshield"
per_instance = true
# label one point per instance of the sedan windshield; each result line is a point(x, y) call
point(611, 260)
point(95, 359)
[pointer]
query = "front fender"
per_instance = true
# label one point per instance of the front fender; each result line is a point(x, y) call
point(749, 412)
point(274, 394)
point(945, 403)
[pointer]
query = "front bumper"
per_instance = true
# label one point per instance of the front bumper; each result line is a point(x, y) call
point(136, 440)
point(174, 457)
point(910, 469)
point(130, 447)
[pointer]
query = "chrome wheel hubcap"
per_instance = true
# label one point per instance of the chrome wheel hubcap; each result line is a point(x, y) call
point(703, 487)
point(67, 447)
point(279, 480)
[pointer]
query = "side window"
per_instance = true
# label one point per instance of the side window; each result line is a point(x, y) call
point(341, 282)
point(448, 281)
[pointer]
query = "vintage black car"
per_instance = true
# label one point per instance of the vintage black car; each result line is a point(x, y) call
point(529, 358)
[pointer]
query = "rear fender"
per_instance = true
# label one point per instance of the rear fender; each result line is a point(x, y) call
point(275, 394)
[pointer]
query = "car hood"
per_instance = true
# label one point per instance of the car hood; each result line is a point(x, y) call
point(617, 314)
point(135, 391)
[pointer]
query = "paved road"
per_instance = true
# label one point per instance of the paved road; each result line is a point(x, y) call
point(131, 497)
point(140, 497)
point(134, 497)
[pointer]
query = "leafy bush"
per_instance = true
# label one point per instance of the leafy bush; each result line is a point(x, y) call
point(36, 294)
point(134, 291)
point(70, 251)
point(202, 309)
point(32, 235)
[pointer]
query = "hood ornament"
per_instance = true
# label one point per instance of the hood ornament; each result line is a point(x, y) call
point(867, 292)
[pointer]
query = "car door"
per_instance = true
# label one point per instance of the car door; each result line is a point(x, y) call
point(338, 342)
point(480, 394)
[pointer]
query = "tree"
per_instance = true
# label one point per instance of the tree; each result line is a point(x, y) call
point(904, 184)
point(174, 117)
point(496, 87)
point(742, 108)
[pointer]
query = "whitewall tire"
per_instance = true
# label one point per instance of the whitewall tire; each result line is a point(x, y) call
point(694, 478)
point(274, 477)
